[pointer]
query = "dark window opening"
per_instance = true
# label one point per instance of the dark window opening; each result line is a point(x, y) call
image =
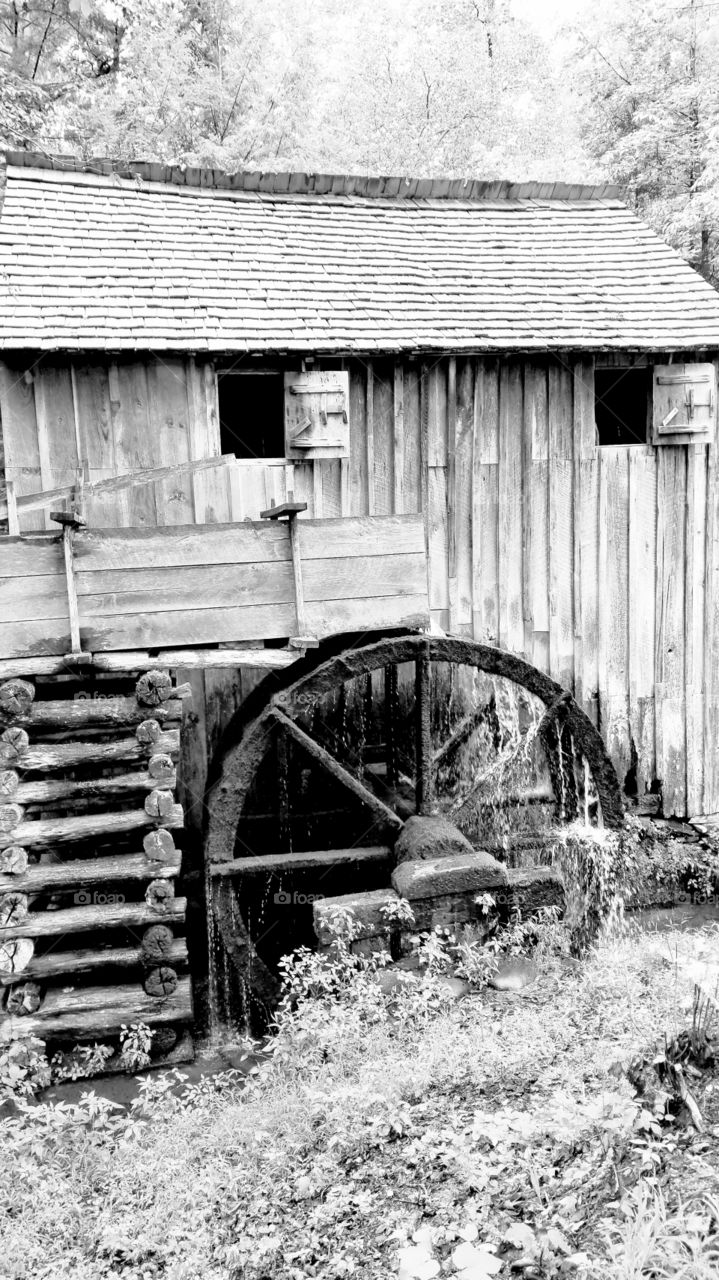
point(621, 405)
point(252, 408)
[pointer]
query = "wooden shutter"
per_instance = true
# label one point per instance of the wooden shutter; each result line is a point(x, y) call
point(684, 403)
point(317, 415)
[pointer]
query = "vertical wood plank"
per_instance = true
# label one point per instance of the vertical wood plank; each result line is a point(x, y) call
point(370, 438)
point(584, 433)
point(168, 410)
point(358, 459)
point(694, 658)
point(615, 605)
point(96, 444)
point(464, 430)
point(412, 440)
point(398, 440)
point(19, 427)
point(383, 433)
point(642, 598)
point(209, 489)
point(452, 483)
point(56, 434)
point(710, 803)
point(133, 436)
point(670, 607)
point(437, 493)
point(485, 504)
point(587, 526)
point(561, 521)
point(318, 509)
point(511, 558)
point(536, 515)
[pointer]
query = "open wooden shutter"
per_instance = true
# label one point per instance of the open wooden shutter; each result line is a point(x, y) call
point(317, 415)
point(684, 403)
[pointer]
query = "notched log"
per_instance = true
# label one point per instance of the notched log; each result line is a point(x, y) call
point(14, 745)
point(160, 805)
point(160, 846)
point(157, 943)
point(23, 999)
point(15, 955)
point(153, 688)
point(16, 697)
point(159, 894)
point(13, 860)
point(161, 981)
point(13, 908)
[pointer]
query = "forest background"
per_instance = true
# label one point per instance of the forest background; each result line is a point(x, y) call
point(626, 91)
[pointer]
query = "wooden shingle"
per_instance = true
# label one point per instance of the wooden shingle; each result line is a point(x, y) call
point(117, 260)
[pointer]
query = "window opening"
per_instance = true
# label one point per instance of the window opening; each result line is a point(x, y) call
point(252, 408)
point(621, 405)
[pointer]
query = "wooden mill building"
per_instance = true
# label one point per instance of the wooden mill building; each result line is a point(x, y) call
point(520, 381)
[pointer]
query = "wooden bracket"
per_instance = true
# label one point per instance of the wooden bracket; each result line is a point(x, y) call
point(13, 524)
point(292, 509)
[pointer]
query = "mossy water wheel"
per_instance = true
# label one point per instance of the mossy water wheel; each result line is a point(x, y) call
point(312, 793)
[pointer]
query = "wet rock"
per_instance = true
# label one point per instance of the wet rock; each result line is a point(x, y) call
point(429, 837)
point(514, 974)
point(468, 872)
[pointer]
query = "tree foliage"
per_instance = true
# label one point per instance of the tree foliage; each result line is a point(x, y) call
point(439, 86)
point(648, 91)
point(430, 87)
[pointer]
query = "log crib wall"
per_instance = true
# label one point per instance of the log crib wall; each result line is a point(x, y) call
point(92, 934)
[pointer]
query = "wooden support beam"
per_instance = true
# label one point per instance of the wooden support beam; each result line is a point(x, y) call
point(121, 915)
point(87, 871)
point(115, 484)
point(197, 659)
point(327, 762)
point(133, 660)
point(321, 860)
point(49, 832)
point(99, 1011)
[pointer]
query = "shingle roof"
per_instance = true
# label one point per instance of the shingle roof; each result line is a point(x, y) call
point(103, 262)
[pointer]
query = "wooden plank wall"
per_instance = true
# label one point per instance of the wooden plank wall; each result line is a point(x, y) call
point(601, 566)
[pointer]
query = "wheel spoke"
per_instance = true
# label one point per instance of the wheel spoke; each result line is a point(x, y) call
point(423, 726)
point(337, 771)
point(391, 720)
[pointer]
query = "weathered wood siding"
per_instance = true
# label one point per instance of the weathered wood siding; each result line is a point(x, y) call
point(601, 566)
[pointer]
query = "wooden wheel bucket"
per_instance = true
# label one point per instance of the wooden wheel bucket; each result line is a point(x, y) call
point(311, 795)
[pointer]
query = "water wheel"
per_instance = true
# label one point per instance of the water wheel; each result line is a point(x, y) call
point(311, 794)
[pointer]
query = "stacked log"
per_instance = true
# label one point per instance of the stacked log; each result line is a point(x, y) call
point(90, 925)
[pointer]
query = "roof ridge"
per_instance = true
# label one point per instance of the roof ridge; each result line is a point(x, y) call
point(400, 188)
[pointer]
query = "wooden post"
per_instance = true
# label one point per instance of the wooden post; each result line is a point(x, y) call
point(71, 521)
point(292, 509)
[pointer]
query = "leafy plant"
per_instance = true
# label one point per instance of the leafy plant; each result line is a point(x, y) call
point(23, 1067)
point(82, 1062)
point(135, 1045)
